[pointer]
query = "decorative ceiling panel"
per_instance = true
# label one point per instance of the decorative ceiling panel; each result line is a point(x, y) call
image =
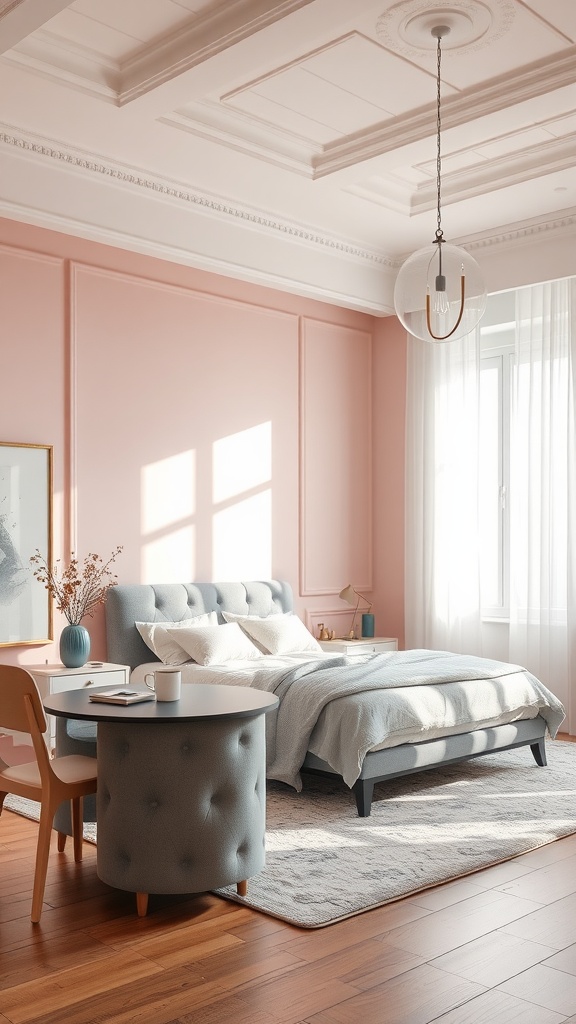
point(318, 114)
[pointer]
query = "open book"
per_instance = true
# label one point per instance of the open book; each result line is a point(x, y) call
point(121, 696)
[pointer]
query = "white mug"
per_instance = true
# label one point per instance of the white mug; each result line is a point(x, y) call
point(166, 683)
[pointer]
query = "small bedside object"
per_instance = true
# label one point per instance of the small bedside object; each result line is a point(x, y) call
point(375, 645)
point(367, 624)
point(351, 596)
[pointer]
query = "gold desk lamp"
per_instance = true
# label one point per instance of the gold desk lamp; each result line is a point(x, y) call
point(352, 597)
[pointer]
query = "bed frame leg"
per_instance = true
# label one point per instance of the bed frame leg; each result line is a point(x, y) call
point(363, 790)
point(539, 751)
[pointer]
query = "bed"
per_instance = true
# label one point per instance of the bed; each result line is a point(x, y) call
point(365, 719)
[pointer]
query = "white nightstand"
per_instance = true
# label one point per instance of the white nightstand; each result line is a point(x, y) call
point(57, 678)
point(366, 645)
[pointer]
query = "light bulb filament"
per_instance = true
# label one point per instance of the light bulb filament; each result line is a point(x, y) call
point(440, 302)
point(429, 310)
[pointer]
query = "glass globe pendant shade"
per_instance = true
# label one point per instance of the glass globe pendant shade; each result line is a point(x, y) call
point(439, 296)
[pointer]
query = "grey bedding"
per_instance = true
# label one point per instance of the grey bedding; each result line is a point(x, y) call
point(427, 692)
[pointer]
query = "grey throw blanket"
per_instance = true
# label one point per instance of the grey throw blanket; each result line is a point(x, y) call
point(474, 689)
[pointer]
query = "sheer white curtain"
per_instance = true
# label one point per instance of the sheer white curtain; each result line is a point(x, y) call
point(542, 485)
point(442, 609)
point(443, 599)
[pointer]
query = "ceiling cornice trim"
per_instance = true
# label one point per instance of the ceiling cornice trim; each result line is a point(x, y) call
point(175, 191)
point(33, 146)
point(264, 276)
point(563, 223)
point(512, 234)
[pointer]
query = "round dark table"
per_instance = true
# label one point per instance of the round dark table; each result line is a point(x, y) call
point(181, 787)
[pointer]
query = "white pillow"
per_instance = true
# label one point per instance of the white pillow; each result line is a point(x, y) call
point(155, 635)
point(215, 645)
point(279, 634)
point(241, 619)
point(234, 617)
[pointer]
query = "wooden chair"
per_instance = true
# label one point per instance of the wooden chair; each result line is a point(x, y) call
point(47, 780)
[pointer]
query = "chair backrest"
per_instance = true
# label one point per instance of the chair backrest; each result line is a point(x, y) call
point(21, 710)
point(15, 684)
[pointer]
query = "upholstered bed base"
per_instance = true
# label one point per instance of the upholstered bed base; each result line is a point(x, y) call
point(408, 758)
point(126, 605)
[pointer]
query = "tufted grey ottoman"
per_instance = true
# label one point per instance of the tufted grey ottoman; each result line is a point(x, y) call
point(181, 807)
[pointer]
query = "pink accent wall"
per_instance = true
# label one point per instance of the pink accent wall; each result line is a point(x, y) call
point(214, 429)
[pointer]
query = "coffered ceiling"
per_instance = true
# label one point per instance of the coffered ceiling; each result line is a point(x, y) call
point(289, 142)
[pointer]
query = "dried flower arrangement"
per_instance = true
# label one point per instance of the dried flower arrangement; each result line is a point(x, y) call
point(77, 590)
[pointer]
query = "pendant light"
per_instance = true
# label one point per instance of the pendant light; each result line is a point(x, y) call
point(439, 293)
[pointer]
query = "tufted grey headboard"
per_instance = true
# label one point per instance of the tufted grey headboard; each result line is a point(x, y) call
point(142, 602)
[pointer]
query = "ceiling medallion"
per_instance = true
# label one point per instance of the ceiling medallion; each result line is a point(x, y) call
point(406, 27)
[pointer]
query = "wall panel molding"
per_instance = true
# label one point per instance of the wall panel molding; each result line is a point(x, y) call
point(335, 409)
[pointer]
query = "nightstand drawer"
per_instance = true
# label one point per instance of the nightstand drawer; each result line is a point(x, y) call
point(58, 679)
point(78, 680)
point(377, 645)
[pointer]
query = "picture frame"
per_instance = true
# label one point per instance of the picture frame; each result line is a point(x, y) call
point(25, 527)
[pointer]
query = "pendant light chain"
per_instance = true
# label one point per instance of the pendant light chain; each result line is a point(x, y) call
point(438, 128)
point(439, 294)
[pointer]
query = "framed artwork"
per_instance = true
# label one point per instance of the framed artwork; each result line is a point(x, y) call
point(25, 527)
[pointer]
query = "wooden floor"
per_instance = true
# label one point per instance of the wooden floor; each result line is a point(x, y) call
point(495, 948)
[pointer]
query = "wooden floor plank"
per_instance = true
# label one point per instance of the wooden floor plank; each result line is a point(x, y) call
point(493, 958)
point(419, 996)
point(461, 923)
point(540, 984)
point(497, 947)
point(90, 980)
point(499, 1008)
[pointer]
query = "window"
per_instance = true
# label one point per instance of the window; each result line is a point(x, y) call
point(496, 379)
point(537, 471)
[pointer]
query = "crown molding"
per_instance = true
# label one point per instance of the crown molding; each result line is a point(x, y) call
point(141, 180)
point(264, 276)
point(561, 224)
point(321, 269)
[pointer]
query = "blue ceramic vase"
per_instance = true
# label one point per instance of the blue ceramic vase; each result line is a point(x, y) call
point(74, 646)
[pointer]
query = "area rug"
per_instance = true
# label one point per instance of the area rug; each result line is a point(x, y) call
point(31, 809)
point(324, 863)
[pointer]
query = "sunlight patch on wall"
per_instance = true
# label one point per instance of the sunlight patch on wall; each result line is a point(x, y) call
point(168, 507)
point(242, 526)
point(170, 559)
point(242, 539)
point(242, 462)
point(168, 491)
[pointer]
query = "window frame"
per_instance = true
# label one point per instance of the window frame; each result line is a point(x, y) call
point(497, 350)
